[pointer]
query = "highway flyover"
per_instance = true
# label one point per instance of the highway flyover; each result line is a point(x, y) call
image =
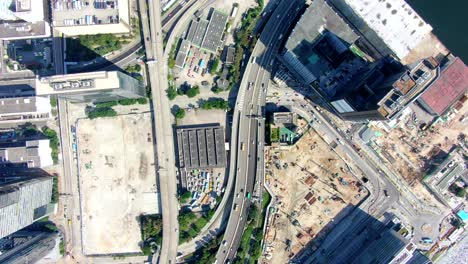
point(247, 121)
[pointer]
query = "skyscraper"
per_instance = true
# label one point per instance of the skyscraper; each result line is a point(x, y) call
point(91, 86)
point(22, 202)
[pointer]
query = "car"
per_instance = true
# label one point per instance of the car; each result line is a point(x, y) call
point(224, 242)
point(241, 190)
point(176, 230)
point(237, 195)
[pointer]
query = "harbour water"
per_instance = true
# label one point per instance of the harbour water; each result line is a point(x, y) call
point(448, 19)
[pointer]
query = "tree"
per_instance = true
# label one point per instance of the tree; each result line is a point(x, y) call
point(214, 66)
point(101, 112)
point(53, 142)
point(456, 223)
point(180, 113)
point(106, 104)
point(142, 100)
point(53, 101)
point(215, 103)
point(171, 93)
point(192, 92)
point(461, 192)
point(185, 196)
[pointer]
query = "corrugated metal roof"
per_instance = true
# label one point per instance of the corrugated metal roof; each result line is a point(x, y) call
point(452, 83)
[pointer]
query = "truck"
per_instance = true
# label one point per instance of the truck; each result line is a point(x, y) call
point(248, 195)
point(242, 146)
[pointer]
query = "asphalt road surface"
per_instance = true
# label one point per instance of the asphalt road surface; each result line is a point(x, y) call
point(248, 110)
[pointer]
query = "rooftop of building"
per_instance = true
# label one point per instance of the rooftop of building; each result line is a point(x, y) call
point(201, 147)
point(229, 54)
point(386, 86)
point(24, 30)
point(182, 53)
point(212, 39)
point(320, 42)
point(206, 34)
point(76, 82)
point(34, 153)
point(284, 118)
point(22, 202)
point(26, 19)
point(27, 10)
point(23, 105)
point(448, 88)
point(394, 21)
point(317, 19)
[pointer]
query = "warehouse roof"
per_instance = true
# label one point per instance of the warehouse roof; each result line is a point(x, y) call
point(201, 147)
point(445, 91)
point(182, 53)
point(214, 32)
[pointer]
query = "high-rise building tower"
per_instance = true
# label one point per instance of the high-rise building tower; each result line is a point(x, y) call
point(22, 202)
point(91, 86)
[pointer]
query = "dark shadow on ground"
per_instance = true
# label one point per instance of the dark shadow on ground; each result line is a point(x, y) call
point(354, 236)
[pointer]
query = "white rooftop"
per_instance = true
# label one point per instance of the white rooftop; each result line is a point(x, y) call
point(399, 26)
point(77, 82)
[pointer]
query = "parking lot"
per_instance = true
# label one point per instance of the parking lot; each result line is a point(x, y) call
point(117, 181)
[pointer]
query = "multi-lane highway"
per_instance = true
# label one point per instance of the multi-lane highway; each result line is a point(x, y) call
point(163, 121)
point(247, 143)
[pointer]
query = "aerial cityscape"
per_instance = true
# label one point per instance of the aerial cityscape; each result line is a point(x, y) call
point(243, 131)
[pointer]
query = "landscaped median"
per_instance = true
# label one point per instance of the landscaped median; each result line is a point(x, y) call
point(250, 247)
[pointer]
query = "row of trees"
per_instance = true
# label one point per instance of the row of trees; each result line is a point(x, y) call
point(214, 103)
point(244, 40)
point(190, 92)
point(252, 238)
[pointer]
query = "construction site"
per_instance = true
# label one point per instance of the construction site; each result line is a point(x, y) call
point(417, 144)
point(117, 182)
point(314, 189)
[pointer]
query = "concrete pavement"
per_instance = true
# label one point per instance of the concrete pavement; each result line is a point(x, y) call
point(163, 124)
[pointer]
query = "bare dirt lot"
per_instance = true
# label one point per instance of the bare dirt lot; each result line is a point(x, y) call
point(117, 181)
point(201, 116)
point(411, 148)
point(313, 186)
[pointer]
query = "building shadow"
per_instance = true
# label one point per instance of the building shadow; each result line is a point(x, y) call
point(354, 236)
